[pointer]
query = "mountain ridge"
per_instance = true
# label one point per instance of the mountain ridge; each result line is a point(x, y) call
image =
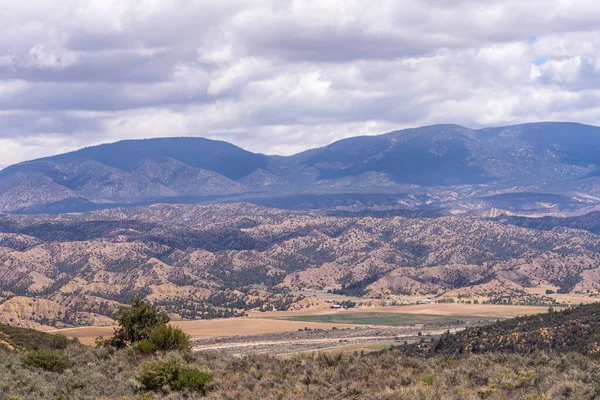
point(446, 166)
point(220, 260)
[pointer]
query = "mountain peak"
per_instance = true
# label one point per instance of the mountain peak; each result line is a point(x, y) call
point(447, 165)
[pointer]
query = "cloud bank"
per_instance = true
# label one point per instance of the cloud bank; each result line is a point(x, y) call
point(281, 76)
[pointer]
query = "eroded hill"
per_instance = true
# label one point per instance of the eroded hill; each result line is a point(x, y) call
point(221, 260)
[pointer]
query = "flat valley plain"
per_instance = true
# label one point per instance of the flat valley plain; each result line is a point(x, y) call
point(365, 328)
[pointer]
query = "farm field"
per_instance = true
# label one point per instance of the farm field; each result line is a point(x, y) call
point(288, 321)
point(206, 328)
point(449, 309)
point(383, 318)
point(569, 298)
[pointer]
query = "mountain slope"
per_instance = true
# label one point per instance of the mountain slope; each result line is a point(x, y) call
point(531, 168)
point(436, 155)
point(129, 171)
point(198, 261)
point(15, 338)
point(570, 330)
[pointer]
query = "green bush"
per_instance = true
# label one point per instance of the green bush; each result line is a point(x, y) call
point(166, 337)
point(145, 347)
point(193, 380)
point(48, 360)
point(170, 371)
point(154, 374)
point(60, 342)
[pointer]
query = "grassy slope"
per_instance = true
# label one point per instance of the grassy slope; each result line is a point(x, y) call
point(387, 375)
point(569, 330)
point(28, 339)
point(95, 373)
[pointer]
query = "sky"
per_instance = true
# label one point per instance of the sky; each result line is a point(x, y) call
point(282, 76)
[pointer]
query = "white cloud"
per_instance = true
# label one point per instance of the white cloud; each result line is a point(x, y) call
point(41, 56)
point(237, 74)
point(281, 76)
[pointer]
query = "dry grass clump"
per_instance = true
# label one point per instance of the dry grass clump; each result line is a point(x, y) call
point(117, 374)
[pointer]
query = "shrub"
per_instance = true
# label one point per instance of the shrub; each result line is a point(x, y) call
point(60, 342)
point(145, 347)
point(509, 380)
point(193, 380)
point(100, 342)
point(170, 371)
point(166, 337)
point(48, 360)
point(154, 374)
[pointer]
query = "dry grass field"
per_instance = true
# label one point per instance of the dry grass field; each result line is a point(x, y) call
point(276, 322)
point(206, 328)
point(474, 310)
point(569, 298)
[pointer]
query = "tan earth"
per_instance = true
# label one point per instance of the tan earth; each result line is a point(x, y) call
point(477, 310)
point(207, 328)
point(569, 298)
point(260, 323)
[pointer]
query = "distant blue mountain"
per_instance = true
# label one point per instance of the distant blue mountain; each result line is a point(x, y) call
point(573, 143)
point(436, 155)
point(551, 166)
point(218, 156)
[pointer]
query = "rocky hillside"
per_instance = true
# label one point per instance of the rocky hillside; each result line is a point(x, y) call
point(198, 261)
point(532, 168)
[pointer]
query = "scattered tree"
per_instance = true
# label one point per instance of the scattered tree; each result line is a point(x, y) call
point(135, 324)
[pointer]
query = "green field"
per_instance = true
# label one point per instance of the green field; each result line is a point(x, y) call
point(381, 318)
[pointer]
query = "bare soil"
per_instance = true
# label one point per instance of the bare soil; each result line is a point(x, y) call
point(475, 310)
point(367, 338)
point(207, 328)
point(236, 334)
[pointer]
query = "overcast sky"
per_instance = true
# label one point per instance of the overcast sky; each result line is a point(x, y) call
point(281, 76)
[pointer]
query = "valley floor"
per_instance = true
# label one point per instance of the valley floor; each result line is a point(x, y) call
point(551, 355)
point(368, 338)
point(310, 329)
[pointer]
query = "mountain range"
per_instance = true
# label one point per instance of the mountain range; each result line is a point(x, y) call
point(537, 168)
point(220, 260)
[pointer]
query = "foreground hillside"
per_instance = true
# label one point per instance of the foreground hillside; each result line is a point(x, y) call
point(576, 329)
point(95, 374)
point(72, 371)
point(531, 168)
point(21, 339)
point(222, 260)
